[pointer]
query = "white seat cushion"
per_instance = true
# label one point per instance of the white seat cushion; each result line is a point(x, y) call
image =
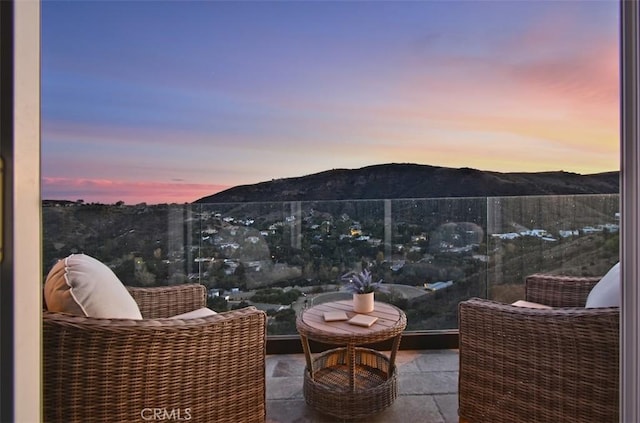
point(84, 286)
point(201, 312)
point(607, 292)
point(529, 304)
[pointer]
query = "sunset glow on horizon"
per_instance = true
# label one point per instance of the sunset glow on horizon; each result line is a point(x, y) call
point(168, 102)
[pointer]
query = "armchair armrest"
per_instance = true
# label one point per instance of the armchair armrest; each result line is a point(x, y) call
point(167, 301)
point(559, 291)
point(209, 369)
point(537, 365)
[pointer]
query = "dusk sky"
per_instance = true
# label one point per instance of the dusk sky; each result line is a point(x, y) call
point(170, 101)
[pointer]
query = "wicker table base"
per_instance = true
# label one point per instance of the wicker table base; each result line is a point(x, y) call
point(328, 390)
point(350, 381)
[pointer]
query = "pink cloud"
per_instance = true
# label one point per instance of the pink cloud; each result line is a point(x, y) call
point(567, 96)
point(111, 191)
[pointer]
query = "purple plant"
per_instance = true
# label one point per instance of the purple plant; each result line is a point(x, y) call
point(361, 283)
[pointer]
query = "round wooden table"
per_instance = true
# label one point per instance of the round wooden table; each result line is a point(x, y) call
point(350, 381)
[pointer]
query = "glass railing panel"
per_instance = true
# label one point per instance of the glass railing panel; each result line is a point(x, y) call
point(298, 251)
point(144, 245)
point(285, 256)
point(572, 234)
point(438, 258)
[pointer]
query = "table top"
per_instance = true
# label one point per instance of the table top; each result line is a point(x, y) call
point(310, 323)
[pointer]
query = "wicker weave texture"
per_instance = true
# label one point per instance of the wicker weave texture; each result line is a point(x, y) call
point(350, 382)
point(202, 370)
point(539, 365)
point(559, 291)
point(167, 301)
point(328, 390)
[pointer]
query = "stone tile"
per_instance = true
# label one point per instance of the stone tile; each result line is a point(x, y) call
point(410, 367)
point(288, 368)
point(270, 364)
point(284, 387)
point(284, 365)
point(406, 362)
point(438, 360)
point(294, 411)
point(428, 383)
point(448, 406)
point(409, 409)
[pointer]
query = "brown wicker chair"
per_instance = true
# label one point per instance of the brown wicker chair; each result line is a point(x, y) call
point(199, 370)
point(539, 365)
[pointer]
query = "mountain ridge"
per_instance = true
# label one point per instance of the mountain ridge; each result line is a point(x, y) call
point(408, 180)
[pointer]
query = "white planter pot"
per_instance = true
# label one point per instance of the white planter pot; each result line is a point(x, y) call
point(363, 303)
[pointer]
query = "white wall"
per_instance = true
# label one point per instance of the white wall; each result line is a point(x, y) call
point(27, 205)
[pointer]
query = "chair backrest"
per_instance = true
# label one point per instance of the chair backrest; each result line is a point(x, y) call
point(538, 365)
point(167, 301)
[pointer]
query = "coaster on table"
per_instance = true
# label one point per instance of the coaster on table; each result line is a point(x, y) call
point(335, 316)
point(363, 320)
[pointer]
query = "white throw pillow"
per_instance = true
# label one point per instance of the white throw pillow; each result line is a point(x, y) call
point(607, 292)
point(201, 312)
point(83, 286)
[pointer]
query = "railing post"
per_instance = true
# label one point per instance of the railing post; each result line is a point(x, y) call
point(494, 225)
point(387, 230)
point(296, 224)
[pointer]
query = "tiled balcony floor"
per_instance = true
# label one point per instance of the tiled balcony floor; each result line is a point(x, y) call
point(427, 390)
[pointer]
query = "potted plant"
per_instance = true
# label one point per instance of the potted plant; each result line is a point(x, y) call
point(362, 286)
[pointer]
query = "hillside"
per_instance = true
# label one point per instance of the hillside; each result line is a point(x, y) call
point(416, 181)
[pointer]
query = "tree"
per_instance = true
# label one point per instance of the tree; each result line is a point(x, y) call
point(218, 304)
point(241, 304)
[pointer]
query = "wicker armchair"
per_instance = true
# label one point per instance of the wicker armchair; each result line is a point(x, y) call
point(539, 365)
point(208, 369)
